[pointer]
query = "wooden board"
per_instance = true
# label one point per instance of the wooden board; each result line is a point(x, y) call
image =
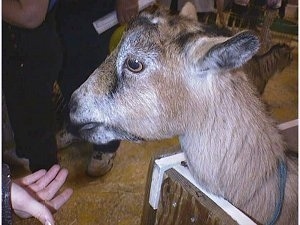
point(181, 203)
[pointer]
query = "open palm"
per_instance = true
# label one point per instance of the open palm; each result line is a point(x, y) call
point(37, 194)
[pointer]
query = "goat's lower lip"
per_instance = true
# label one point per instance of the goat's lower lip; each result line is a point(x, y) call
point(91, 127)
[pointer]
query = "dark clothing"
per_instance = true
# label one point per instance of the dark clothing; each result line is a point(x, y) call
point(238, 14)
point(6, 200)
point(281, 11)
point(31, 62)
point(84, 48)
point(256, 13)
point(207, 17)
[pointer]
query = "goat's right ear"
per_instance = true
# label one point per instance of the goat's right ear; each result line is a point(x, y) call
point(230, 54)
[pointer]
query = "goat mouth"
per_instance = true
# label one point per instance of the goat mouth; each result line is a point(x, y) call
point(88, 129)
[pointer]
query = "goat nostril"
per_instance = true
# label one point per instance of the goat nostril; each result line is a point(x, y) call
point(89, 126)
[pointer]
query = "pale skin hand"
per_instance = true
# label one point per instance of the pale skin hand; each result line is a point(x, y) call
point(36, 194)
point(126, 10)
point(24, 13)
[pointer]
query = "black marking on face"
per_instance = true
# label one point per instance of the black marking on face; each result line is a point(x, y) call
point(184, 38)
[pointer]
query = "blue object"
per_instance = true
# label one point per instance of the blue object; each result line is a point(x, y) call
point(282, 180)
point(51, 4)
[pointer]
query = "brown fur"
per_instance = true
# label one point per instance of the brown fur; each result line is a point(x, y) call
point(261, 68)
point(170, 77)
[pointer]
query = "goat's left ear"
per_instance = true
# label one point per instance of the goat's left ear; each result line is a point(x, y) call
point(230, 54)
point(189, 10)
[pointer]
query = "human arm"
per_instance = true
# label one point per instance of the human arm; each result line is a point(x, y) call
point(24, 13)
point(126, 10)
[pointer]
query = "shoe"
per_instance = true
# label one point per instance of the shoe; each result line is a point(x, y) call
point(100, 163)
point(65, 139)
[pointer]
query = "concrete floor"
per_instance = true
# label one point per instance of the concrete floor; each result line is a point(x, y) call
point(117, 198)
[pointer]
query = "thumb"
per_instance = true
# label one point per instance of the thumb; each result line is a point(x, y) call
point(41, 212)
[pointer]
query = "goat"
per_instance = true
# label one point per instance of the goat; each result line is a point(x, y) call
point(168, 77)
point(260, 68)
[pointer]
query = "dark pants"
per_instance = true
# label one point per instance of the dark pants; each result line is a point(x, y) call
point(31, 63)
point(238, 15)
point(207, 17)
point(84, 48)
point(256, 13)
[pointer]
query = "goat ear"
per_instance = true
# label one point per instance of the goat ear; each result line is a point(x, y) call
point(230, 54)
point(189, 10)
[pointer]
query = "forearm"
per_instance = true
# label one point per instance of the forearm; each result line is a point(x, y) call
point(6, 200)
point(126, 10)
point(24, 13)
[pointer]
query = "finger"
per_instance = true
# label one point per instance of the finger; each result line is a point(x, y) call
point(32, 178)
point(46, 179)
point(60, 199)
point(43, 214)
point(49, 192)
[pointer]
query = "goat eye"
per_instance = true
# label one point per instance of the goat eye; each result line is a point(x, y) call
point(134, 65)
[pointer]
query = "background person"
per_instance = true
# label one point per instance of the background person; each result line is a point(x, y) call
point(31, 61)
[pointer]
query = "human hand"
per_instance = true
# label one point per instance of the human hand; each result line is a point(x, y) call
point(35, 194)
point(126, 10)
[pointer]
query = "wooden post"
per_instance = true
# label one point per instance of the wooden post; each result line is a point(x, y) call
point(149, 214)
